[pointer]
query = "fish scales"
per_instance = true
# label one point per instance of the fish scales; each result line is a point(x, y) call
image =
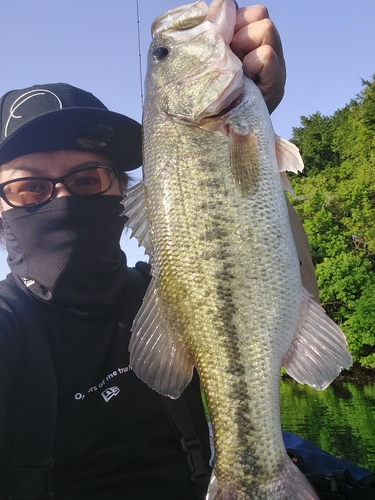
point(218, 267)
point(226, 293)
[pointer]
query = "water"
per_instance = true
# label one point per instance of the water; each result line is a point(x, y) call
point(340, 419)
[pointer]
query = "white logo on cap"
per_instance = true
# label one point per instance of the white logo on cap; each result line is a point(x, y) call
point(23, 98)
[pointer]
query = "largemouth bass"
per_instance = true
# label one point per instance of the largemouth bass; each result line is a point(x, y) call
point(226, 295)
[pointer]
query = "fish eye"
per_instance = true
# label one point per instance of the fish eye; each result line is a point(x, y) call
point(160, 53)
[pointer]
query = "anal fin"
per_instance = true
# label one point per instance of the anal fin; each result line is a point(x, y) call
point(319, 351)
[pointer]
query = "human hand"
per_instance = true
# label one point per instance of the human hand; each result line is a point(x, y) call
point(257, 43)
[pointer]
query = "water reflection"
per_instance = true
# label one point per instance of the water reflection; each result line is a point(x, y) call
point(340, 419)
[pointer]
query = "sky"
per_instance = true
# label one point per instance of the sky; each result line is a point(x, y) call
point(329, 46)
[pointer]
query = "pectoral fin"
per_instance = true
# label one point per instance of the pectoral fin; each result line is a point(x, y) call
point(244, 161)
point(156, 356)
point(319, 351)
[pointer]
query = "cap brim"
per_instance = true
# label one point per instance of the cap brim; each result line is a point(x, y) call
point(60, 129)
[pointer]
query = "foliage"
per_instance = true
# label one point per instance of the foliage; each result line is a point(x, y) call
point(336, 202)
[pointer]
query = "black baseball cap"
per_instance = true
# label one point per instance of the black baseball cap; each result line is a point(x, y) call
point(58, 116)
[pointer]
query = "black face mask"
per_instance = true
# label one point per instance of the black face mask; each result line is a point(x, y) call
point(68, 253)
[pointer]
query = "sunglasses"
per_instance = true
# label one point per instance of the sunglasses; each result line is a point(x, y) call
point(27, 191)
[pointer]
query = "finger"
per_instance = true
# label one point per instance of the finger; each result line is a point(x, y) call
point(254, 35)
point(257, 43)
point(263, 66)
point(249, 15)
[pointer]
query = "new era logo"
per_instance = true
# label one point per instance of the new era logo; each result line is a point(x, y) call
point(110, 393)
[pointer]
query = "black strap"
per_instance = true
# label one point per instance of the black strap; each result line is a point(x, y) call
point(181, 420)
point(35, 414)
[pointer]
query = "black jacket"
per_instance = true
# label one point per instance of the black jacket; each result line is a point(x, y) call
point(113, 437)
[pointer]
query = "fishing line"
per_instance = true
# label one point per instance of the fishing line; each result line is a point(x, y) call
point(139, 52)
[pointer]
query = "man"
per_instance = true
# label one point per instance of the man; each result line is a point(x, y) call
point(70, 301)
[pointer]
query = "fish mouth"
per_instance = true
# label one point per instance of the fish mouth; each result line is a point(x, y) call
point(228, 109)
point(222, 13)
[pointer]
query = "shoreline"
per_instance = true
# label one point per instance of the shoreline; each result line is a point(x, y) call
point(357, 374)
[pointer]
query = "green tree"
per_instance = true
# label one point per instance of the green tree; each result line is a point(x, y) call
point(314, 139)
point(336, 202)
